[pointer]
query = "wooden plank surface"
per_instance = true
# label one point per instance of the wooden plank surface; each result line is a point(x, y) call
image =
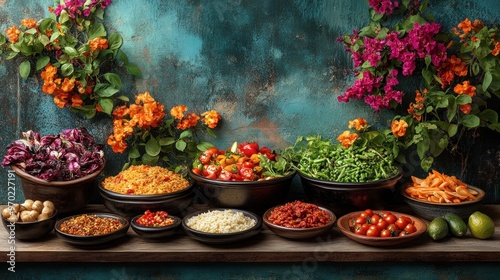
point(264, 247)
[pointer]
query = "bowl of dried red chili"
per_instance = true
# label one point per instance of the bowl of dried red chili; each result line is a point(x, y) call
point(299, 220)
point(92, 228)
point(155, 225)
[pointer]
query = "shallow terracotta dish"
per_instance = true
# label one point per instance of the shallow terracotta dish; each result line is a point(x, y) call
point(155, 232)
point(299, 233)
point(343, 225)
point(222, 238)
point(430, 210)
point(94, 239)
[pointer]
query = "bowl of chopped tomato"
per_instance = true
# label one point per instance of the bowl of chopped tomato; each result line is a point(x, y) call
point(381, 227)
point(299, 220)
point(245, 177)
point(155, 224)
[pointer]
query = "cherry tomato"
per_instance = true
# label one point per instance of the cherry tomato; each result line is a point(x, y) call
point(196, 171)
point(360, 229)
point(410, 228)
point(401, 223)
point(381, 224)
point(386, 213)
point(393, 229)
point(374, 219)
point(385, 233)
point(247, 173)
point(403, 233)
point(390, 219)
point(360, 220)
point(369, 212)
point(373, 231)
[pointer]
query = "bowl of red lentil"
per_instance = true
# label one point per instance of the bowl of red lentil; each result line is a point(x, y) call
point(91, 228)
point(155, 224)
point(299, 220)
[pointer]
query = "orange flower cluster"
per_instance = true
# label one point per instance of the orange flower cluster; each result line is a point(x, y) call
point(418, 105)
point(211, 118)
point(29, 23)
point(453, 66)
point(496, 50)
point(347, 138)
point(98, 44)
point(465, 88)
point(466, 26)
point(13, 34)
point(145, 114)
point(62, 90)
point(358, 124)
point(398, 128)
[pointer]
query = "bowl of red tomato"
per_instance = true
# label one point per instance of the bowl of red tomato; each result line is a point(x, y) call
point(246, 176)
point(381, 227)
point(155, 224)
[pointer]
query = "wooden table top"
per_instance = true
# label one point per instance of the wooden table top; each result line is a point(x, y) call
point(263, 247)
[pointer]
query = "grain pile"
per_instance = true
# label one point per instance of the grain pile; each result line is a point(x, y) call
point(221, 221)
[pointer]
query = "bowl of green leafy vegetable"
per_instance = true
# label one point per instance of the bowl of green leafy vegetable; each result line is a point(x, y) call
point(355, 173)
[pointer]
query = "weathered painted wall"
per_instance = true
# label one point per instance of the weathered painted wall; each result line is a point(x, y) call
point(272, 68)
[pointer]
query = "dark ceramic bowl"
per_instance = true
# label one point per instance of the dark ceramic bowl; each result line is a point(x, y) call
point(343, 198)
point(94, 239)
point(299, 233)
point(155, 232)
point(152, 197)
point(430, 210)
point(30, 230)
point(343, 225)
point(222, 238)
point(67, 196)
point(175, 205)
point(255, 196)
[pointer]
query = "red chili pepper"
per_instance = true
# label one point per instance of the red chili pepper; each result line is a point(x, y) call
point(270, 154)
point(249, 148)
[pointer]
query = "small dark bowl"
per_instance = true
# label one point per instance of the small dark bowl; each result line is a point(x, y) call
point(95, 239)
point(129, 208)
point(222, 238)
point(30, 230)
point(155, 232)
point(255, 196)
point(343, 198)
point(343, 225)
point(299, 233)
point(430, 210)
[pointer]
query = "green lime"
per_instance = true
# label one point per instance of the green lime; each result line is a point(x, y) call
point(438, 228)
point(457, 225)
point(481, 226)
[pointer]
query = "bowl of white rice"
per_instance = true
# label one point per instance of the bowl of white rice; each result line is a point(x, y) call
point(221, 225)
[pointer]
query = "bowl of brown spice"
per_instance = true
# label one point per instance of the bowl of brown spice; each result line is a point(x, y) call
point(91, 228)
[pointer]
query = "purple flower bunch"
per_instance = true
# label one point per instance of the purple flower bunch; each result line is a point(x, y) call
point(379, 54)
point(384, 7)
point(69, 155)
point(77, 8)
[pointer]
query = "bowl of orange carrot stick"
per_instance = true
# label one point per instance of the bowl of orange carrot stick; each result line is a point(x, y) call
point(438, 194)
